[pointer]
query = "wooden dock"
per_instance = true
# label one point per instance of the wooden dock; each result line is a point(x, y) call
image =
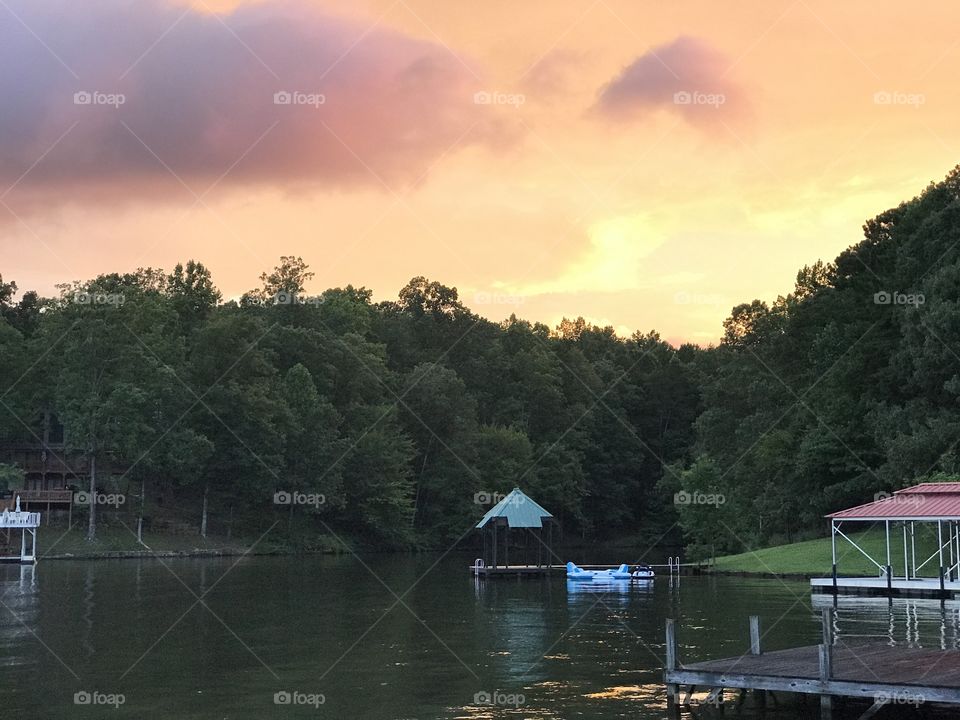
point(871, 671)
point(515, 570)
point(480, 570)
point(894, 587)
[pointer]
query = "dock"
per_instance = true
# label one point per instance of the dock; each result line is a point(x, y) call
point(894, 587)
point(871, 671)
point(480, 569)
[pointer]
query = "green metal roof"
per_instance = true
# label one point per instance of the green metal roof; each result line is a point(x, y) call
point(519, 510)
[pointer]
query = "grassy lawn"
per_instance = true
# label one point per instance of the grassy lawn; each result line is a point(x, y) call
point(812, 557)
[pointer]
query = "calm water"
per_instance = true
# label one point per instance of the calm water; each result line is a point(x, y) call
point(332, 627)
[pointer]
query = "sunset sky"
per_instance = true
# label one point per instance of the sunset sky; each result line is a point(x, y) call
point(644, 164)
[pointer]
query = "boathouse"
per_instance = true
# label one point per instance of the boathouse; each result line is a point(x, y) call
point(27, 523)
point(904, 513)
point(520, 524)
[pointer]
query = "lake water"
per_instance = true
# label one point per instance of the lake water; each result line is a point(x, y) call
point(383, 637)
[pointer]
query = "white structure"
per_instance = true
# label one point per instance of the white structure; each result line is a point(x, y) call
point(935, 502)
point(26, 522)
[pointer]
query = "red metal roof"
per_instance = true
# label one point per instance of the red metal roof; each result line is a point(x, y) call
point(924, 501)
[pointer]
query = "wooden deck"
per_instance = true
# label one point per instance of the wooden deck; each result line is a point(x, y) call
point(874, 671)
point(506, 570)
point(863, 670)
point(898, 587)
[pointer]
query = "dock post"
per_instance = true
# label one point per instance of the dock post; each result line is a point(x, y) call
point(754, 634)
point(673, 708)
point(826, 662)
point(940, 544)
point(833, 552)
point(889, 573)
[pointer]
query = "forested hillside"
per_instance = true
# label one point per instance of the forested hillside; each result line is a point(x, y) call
point(846, 388)
point(404, 419)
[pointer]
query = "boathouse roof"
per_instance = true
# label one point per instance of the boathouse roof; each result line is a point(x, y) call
point(518, 510)
point(927, 501)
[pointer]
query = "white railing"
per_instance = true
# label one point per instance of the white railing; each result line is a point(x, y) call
point(19, 519)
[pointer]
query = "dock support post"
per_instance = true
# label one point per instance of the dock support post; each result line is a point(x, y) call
point(913, 549)
point(833, 550)
point(754, 634)
point(940, 544)
point(671, 663)
point(889, 574)
point(826, 662)
point(906, 561)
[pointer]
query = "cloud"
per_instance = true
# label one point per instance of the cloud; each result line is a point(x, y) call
point(111, 99)
point(686, 76)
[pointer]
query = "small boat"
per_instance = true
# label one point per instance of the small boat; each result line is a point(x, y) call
point(578, 573)
point(624, 572)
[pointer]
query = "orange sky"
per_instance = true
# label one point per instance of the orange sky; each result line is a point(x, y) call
point(584, 188)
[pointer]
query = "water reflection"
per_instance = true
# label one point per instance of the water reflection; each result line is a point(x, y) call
point(910, 622)
point(19, 598)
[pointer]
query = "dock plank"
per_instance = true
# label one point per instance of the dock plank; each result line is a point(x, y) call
point(863, 662)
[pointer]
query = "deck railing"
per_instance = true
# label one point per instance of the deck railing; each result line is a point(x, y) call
point(19, 519)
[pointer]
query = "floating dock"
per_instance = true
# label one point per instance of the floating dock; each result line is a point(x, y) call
point(480, 569)
point(895, 587)
point(872, 671)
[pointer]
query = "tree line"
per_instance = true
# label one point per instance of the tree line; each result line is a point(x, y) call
point(396, 423)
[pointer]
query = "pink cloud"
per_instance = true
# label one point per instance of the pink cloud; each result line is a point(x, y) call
point(196, 93)
point(685, 76)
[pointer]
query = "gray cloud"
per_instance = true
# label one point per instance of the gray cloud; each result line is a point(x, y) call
point(685, 76)
point(198, 92)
